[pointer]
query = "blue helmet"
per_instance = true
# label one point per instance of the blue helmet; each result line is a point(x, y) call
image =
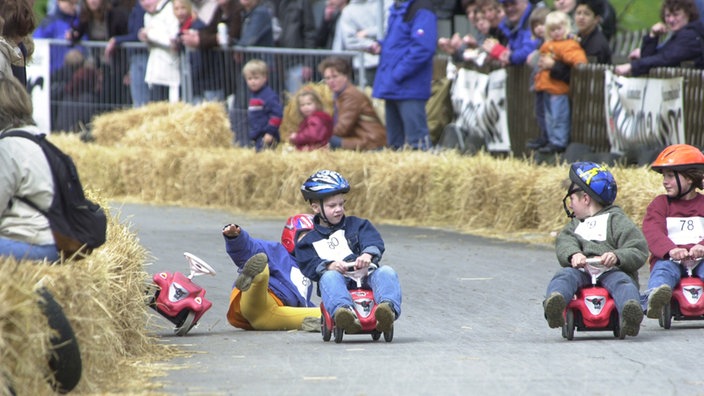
point(323, 184)
point(595, 180)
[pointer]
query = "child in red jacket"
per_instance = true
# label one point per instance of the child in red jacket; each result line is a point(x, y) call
point(316, 128)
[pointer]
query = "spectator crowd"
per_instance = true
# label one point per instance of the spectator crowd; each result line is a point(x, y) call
point(399, 40)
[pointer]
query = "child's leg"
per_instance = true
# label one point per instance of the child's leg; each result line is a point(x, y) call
point(384, 282)
point(333, 291)
point(663, 278)
point(560, 291)
point(621, 287)
point(567, 281)
point(559, 120)
point(664, 272)
point(263, 312)
point(540, 115)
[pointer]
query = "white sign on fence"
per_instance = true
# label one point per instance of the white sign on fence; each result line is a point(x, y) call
point(480, 102)
point(643, 112)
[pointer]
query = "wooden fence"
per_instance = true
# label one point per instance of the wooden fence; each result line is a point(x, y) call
point(588, 108)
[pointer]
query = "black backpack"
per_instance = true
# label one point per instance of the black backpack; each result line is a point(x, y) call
point(76, 222)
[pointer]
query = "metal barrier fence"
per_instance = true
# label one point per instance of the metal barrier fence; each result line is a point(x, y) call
point(84, 82)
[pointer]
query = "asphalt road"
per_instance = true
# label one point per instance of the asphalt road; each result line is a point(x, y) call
point(472, 323)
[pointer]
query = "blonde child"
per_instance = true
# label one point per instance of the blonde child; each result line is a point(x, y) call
point(264, 112)
point(558, 46)
point(316, 128)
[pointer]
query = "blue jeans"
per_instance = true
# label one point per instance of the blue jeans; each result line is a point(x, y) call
point(666, 272)
point(383, 282)
point(23, 250)
point(138, 88)
point(540, 114)
point(407, 124)
point(621, 286)
point(557, 119)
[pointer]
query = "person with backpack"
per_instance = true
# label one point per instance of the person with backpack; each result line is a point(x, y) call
point(45, 212)
point(24, 171)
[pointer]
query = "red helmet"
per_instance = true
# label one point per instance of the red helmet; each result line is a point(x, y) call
point(294, 226)
point(679, 157)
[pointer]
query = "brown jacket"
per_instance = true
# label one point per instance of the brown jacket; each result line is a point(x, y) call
point(357, 123)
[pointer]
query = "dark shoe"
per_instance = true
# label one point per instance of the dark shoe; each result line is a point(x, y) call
point(347, 320)
point(535, 144)
point(555, 310)
point(631, 317)
point(253, 267)
point(657, 300)
point(551, 149)
point(385, 317)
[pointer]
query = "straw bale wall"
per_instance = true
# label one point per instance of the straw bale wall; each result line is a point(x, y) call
point(484, 194)
point(104, 300)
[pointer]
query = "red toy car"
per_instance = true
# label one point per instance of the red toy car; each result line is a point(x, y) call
point(592, 308)
point(183, 302)
point(687, 302)
point(364, 307)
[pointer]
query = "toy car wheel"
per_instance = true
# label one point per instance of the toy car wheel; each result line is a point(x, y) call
point(568, 327)
point(389, 335)
point(324, 329)
point(187, 324)
point(666, 317)
point(376, 335)
point(338, 332)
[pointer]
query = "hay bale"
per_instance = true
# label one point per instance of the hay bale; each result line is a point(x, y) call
point(499, 197)
point(103, 298)
point(164, 124)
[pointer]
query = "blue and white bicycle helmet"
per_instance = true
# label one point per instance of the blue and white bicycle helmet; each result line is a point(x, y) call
point(595, 180)
point(323, 184)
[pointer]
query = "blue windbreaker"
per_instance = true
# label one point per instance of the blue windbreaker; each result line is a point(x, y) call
point(285, 279)
point(405, 68)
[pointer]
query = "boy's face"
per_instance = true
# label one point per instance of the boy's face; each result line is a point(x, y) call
point(585, 19)
point(493, 14)
point(669, 181)
point(255, 81)
point(333, 208)
point(579, 205)
point(482, 24)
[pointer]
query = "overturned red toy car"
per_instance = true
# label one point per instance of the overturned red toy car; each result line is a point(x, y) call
point(178, 298)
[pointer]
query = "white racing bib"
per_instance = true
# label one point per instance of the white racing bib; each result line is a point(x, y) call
point(334, 248)
point(593, 228)
point(301, 282)
point(685, 230)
